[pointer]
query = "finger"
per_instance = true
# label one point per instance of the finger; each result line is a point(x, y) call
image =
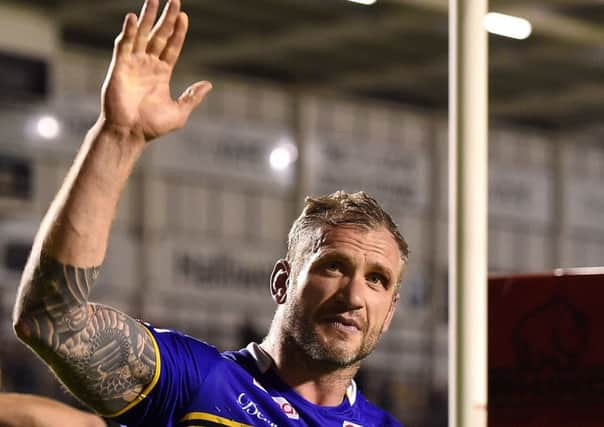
point(164, 28)
point(125, 40)
point(193, 96)
point(173, 47)
point(145, 23)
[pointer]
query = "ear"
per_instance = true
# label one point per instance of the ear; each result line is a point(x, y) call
point(280, 279)
point(391, 311)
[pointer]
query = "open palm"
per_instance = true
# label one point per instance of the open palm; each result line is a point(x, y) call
point(136, 92)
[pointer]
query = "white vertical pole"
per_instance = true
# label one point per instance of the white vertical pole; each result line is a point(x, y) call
point(468, 123)
point(301, 127)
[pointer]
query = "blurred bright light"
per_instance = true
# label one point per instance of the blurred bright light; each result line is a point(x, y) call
point(48, 127)
point(283, 155)
point(366, 2)
point(507, 26)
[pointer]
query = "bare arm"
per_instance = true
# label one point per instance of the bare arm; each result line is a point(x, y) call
point(24, 410)
point(103, 356)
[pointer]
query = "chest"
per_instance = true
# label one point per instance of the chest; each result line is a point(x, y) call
point(236, 399)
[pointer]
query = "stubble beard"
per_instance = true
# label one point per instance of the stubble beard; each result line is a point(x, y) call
point(301, 331)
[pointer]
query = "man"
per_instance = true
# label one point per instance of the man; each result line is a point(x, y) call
point(336, 290)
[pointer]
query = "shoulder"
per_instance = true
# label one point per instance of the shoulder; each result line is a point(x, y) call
point(171, 340)
point(179, 354)
point(184, 352)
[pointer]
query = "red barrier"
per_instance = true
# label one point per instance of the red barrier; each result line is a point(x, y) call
point(546, 350)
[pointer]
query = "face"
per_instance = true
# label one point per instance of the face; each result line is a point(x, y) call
point(343, 295)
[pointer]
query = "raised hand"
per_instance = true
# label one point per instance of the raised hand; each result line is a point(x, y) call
point(136, 93)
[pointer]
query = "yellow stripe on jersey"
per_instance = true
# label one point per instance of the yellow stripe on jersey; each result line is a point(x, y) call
point(213, 418)
point(151, 385)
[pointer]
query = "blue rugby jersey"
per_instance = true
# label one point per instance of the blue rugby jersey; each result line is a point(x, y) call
point(195, 385)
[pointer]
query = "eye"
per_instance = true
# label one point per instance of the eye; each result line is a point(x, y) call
point(330, 268)
point(333, 266)
point(377, 279)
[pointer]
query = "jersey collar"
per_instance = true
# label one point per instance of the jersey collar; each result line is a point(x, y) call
point(264, 362)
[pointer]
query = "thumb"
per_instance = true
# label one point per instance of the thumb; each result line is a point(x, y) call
point(193, 96)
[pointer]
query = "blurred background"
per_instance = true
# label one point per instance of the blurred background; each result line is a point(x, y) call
point(310, 96)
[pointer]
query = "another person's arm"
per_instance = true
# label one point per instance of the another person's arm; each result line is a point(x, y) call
point(106, 358)
point(25, 410)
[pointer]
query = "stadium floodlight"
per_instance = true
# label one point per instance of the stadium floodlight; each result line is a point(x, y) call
point(48, 127)
point(365, 2)
point(507, 26)
point(283, 155)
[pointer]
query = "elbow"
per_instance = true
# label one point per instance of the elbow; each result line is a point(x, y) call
point(24, 315)
point(21, 323)
point(22, 328)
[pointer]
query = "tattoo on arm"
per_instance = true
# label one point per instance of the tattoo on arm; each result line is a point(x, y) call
point(103, 356)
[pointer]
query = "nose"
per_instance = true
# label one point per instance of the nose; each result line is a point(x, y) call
point(351, 292)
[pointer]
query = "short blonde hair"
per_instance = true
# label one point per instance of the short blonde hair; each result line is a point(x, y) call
point(341, 208)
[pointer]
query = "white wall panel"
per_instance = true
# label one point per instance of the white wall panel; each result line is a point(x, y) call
point(48, 177)
point(585, 203)
point(539, 247)
point(187, 196)
point(309, 106)
point(198, 209)
point(71, 74)
point(495, 246)
point(120, 272)
point(595, 254)
point(503, 246)
point(502, 147)
point(235, 100)
point(521, 195)
point(75, 114)
point(225, 149)
point(414, 230)
point(172, 197)
point(273, 219)
point(344, 116)
point(276, 106)
point(43, 186)
point(594, 160)
point(414, 308)
point(576, 253)
point(582, 252)
point(195, 265)
point(158, 208)
point(19, 231)
point(379, 124)
point(233, 215)
point(583, 168)
point(15, 124)
point(42, 38)
point(520, 186)
point(396, 174)
point(97, 66)
point(539, 151)
point(573, 159)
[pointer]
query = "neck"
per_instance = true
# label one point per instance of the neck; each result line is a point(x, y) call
point(319, 382)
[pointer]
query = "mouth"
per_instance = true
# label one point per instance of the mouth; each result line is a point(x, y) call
point(344, 323)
